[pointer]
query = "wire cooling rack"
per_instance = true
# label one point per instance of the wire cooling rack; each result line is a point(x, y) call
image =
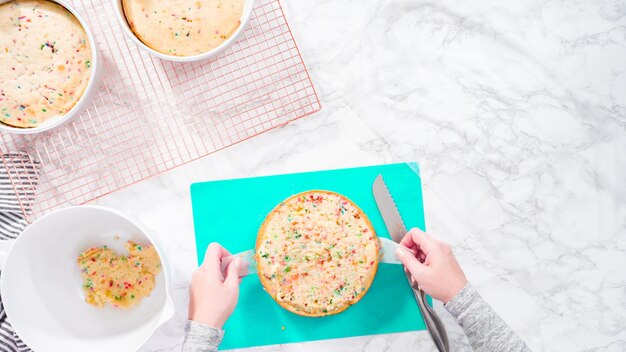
point(151, 115)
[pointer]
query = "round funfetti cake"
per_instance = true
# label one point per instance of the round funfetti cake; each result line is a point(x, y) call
point(45, 62)
point(183, 27)
point(317, 253)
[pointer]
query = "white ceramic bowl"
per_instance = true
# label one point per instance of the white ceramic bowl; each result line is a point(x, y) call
point(245, 17)
point(85, 99)
point(42, 287)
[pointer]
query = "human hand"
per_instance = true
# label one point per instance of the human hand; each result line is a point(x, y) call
point(212, 298)
point(434, 267)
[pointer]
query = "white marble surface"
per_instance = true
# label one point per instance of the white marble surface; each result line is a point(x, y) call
point(516, 112)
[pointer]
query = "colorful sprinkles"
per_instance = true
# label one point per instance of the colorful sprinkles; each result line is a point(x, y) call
point(317, 253)
point(192, 27)
point(46, 62)
point(118, 279)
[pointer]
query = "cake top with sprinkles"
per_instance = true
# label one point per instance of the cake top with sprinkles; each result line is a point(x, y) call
point(45, 62)
point(183, 27)
point(317, 253)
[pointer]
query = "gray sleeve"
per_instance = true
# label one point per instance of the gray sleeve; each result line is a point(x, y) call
point(201, 338)
point(485, 330)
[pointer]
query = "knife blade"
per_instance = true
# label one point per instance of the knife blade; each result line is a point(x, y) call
point(395, 225)
point(389, 210)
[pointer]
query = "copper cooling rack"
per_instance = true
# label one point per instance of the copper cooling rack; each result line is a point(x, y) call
point(150, 115)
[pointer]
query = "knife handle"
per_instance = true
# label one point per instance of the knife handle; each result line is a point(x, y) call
point(440, 327)
point(433, 324)
point(436, 324)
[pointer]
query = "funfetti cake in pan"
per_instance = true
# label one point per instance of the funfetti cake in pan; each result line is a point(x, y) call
point(45, 62)
point(183, 27)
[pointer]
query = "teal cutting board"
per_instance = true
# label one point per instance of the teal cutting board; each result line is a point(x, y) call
point(231, 211)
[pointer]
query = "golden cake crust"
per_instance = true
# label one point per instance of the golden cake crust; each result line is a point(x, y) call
point(317, 253)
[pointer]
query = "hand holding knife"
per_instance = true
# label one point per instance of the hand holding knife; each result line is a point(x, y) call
point(397, 230)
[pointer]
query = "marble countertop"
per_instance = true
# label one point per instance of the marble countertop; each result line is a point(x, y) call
point(516, 112)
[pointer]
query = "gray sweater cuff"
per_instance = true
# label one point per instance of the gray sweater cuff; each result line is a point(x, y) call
point(461, 304)
point(484, 329)
point(201, 337)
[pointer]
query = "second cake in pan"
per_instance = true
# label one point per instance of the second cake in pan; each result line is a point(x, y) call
point(183, 27)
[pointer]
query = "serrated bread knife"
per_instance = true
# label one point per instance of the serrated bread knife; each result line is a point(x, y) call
point(397, 230)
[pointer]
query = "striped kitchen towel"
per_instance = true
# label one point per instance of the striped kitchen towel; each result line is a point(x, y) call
point(19, 175)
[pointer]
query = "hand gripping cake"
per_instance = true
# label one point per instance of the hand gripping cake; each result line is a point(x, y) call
point(45, 62)
point(317, 253)
point(183, 27)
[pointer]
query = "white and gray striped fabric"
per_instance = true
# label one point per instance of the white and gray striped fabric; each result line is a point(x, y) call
point(9, 341)
point(19, 175)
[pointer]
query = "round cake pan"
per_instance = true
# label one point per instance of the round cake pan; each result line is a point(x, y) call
point(84, 100)
point(245, 17)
